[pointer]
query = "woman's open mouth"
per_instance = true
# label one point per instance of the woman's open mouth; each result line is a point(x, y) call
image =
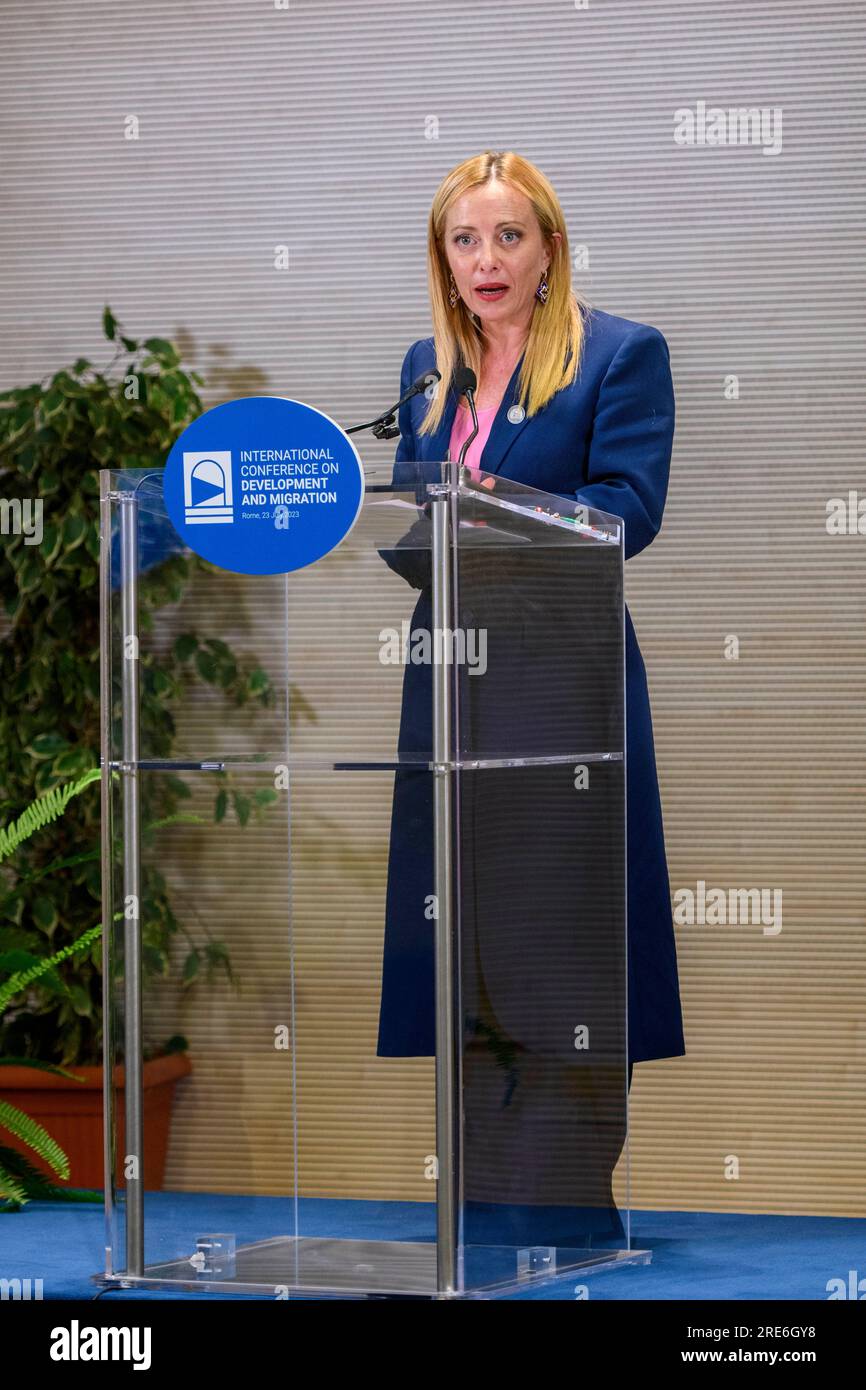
point(492, 291)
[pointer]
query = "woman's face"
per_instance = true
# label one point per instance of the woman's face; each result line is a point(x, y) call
point(492, 237)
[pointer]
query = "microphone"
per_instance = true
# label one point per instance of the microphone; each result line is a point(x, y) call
point(465, 384)
point(420, 384)
point(383, 426)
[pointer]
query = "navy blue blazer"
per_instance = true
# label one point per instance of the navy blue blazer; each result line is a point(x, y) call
point(606, 440)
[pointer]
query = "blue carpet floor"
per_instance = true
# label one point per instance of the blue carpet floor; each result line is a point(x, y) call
point(695, 1255)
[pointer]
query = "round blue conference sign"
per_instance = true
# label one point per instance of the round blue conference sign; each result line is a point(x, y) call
point(263, 485)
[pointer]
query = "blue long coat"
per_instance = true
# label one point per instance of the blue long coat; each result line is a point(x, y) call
point(605, 440)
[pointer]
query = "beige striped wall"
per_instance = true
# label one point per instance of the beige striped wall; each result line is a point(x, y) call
point(325, 128)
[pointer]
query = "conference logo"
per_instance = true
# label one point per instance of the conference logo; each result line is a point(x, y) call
point(207, 488)
point(263, 485)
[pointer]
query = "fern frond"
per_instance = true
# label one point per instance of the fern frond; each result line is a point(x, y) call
point(10, 1189)
point(35, 1183)
point(42, 811)
point(22, 978)
point(37, 1186)
point(37, 1138)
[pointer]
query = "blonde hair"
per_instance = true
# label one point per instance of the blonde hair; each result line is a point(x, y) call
point(553, 347)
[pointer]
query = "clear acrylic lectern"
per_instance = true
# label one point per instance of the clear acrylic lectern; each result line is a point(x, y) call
point(408, 837)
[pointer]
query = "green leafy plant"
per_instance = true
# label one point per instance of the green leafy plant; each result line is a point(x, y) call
point(54, 436)
point(20, 1181)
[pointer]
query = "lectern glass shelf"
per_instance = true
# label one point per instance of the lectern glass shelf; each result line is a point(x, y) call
point(390, 788)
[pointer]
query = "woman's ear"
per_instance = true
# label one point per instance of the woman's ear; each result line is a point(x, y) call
point(555, 239)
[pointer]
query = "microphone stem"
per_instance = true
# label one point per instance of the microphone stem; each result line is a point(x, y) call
point(470, 396)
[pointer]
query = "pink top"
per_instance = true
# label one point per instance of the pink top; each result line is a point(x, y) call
point(461, 430)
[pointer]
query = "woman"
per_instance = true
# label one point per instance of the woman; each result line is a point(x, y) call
point(576, 402)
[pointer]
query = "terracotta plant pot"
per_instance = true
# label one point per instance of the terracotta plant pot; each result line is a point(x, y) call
point(71, 1112)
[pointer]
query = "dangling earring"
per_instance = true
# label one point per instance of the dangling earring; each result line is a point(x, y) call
point(453, 293)
point(543, 288)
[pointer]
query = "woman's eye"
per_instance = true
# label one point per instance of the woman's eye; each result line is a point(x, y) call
point(464, 236)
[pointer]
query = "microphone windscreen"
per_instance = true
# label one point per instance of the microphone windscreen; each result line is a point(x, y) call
point(465, 380)
point(426, 379)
